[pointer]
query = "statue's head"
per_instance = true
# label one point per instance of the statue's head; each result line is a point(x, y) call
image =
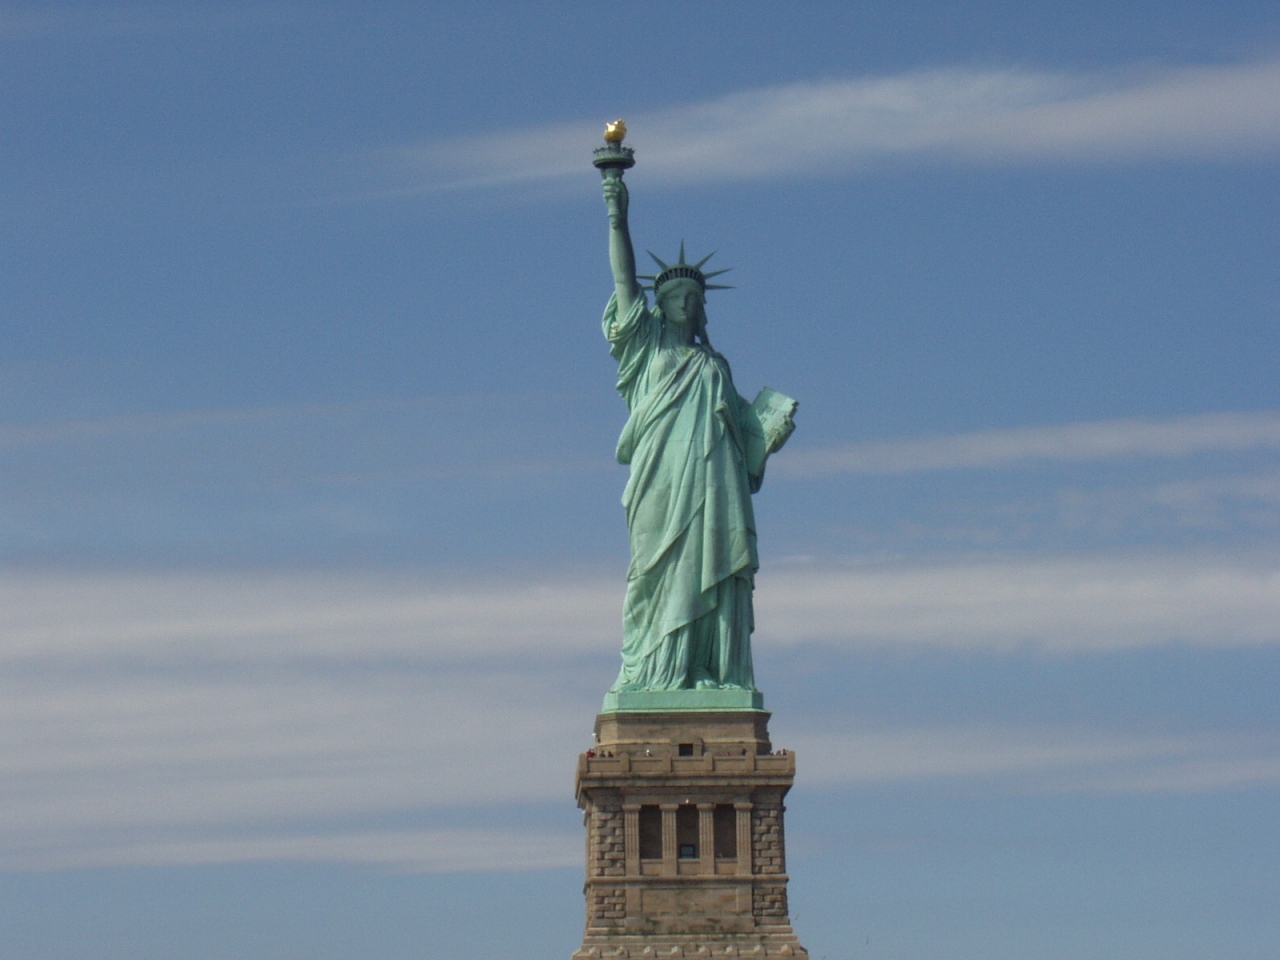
point(682, 302)
point(680, 291)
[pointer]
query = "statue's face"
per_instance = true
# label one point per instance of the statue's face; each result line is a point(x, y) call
point(680, 301)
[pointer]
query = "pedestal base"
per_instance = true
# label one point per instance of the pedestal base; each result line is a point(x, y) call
point(644, 948)
point(685, 842)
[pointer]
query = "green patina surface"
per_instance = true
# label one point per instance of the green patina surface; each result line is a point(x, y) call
point(697, 451)
point(657, 701)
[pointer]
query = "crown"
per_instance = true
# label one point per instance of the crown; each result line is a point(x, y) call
point(686, 271)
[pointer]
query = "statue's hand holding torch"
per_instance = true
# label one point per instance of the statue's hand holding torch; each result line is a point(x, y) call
point(612, 159)
point(615, 200)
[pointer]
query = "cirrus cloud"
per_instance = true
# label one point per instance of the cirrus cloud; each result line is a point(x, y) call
point(202, 717)
point(957, 115)
point(1072, 442)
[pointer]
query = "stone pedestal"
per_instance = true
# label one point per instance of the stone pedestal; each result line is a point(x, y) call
point(686, 854)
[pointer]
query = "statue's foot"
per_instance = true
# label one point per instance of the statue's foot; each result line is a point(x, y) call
point(707, 684)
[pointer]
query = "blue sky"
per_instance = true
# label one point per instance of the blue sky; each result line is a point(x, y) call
point(311, 554)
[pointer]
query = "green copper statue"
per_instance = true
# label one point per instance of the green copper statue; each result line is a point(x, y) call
point(697, 452)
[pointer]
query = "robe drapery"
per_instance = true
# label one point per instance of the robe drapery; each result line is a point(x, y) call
point(687, 617)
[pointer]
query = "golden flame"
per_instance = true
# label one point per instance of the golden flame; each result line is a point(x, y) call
point(615, 131)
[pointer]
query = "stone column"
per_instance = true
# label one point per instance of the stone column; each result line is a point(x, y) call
point(631, 837)
point(743, 810)
point(706, 838)
point(669, 851)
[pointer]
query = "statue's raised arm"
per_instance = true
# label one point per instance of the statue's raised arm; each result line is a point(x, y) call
point(622, 255)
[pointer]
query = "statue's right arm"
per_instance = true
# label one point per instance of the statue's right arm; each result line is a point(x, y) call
point(622, 256)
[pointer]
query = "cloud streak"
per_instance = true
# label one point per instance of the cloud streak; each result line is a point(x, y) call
point(130, 765)
point(1073, 442)
point(113, 769)
point(1054, 605)
point(204, 717)
point(1061, 605)
point(954, 115)
point(287, 617)
point(418, 851)
point(1042, 760)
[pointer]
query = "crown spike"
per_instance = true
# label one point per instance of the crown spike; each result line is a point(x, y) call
point(682, 269)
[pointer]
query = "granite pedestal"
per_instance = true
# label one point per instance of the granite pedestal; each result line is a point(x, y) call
point(686, 852)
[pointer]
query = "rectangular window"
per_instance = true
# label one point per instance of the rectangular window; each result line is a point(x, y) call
point(650, 833)
point(687, 831)
point(726, 830)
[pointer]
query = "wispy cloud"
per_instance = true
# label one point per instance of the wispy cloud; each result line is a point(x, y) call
point(416, 438)
point(1043, 760)
point(203, 717)
point(449, 421)
point(291, 480)
point(1241, 508)
point(284, 617)
point(957, 115)
point(419, 851)
point(1064, 606)
point(1094, 440)
point(242, 809)
point(110, 768)
point(1061, 605)
point(135, 765)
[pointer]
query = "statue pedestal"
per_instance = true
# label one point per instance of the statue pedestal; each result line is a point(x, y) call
point(686, 851)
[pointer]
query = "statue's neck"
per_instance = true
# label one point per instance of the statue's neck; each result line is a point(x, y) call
point(678, 334)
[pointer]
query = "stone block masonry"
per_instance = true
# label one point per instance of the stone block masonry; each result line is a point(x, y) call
point(686, 850)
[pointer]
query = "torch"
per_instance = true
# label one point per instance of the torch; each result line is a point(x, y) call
point(613, 157)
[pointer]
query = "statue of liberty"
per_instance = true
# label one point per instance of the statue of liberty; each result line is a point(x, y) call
point(697, 453)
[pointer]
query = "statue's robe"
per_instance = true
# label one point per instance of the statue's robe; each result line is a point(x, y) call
point(687, 618)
